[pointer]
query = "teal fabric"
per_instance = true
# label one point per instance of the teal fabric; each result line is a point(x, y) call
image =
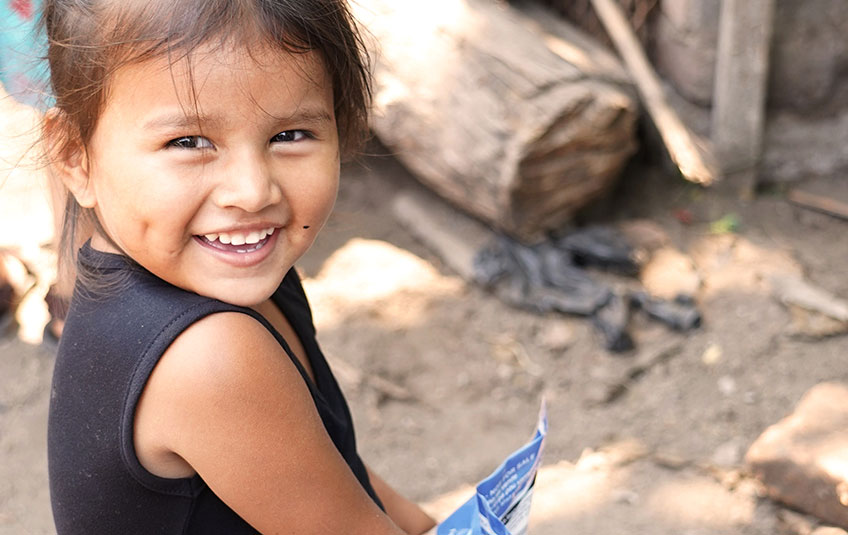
point(23, 72)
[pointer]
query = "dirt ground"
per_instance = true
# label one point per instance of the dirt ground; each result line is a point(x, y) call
point(645, 442)
point(444, 380)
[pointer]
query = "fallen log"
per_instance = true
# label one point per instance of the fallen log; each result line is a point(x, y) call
point(518, 119)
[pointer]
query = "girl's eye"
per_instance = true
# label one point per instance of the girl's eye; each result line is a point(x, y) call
point(290, 136)
point(191, 142)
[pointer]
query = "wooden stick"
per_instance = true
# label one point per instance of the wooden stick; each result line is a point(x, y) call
point(695, 161)
point(453, 236)
point(819, 203)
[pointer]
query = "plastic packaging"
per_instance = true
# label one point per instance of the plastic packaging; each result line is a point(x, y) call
point(501, 505)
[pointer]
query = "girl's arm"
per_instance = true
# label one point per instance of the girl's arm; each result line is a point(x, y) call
point(227, 400)
point(405, 513)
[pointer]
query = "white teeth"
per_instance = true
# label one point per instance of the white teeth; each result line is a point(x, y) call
point(238, 238)
point(252, 238)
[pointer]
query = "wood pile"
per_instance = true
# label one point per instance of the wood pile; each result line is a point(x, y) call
point(513, 115)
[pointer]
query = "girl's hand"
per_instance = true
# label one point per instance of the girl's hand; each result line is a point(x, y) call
point(405, 513)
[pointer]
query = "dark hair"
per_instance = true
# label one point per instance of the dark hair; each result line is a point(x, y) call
point(89, 40)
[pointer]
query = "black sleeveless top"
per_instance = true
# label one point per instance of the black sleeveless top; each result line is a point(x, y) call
point(109, 347)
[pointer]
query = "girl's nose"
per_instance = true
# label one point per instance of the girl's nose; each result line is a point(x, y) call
point(248, 184)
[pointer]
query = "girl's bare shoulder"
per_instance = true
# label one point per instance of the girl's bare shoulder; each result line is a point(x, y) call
point(222, 350)
point(227, 400)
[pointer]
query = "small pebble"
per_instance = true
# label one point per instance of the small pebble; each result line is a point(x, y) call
point(729, 454)
point(625, 496)
point(712, 355)
point(505, 371)
point(727, 385)
point(556, 337)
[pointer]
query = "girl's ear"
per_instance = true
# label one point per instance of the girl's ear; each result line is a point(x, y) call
point(68, 158)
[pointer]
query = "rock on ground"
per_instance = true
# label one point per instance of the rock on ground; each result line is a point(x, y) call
point(803, 460)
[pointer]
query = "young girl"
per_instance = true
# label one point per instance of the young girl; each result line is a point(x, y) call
point(201, 140)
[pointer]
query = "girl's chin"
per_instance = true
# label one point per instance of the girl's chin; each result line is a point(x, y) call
point(242, 293)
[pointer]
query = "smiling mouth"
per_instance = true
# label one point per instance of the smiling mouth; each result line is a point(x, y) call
point(238, 242)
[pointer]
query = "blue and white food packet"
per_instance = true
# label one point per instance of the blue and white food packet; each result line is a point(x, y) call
point(501, 505)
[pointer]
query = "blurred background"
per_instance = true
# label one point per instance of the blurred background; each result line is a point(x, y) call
point(634, 209)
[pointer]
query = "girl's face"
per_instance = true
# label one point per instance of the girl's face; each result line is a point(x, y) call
point(220, 186)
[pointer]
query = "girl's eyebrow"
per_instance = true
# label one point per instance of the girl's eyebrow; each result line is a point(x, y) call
point(309, 115)
point(180, 120)
point(305, 115)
